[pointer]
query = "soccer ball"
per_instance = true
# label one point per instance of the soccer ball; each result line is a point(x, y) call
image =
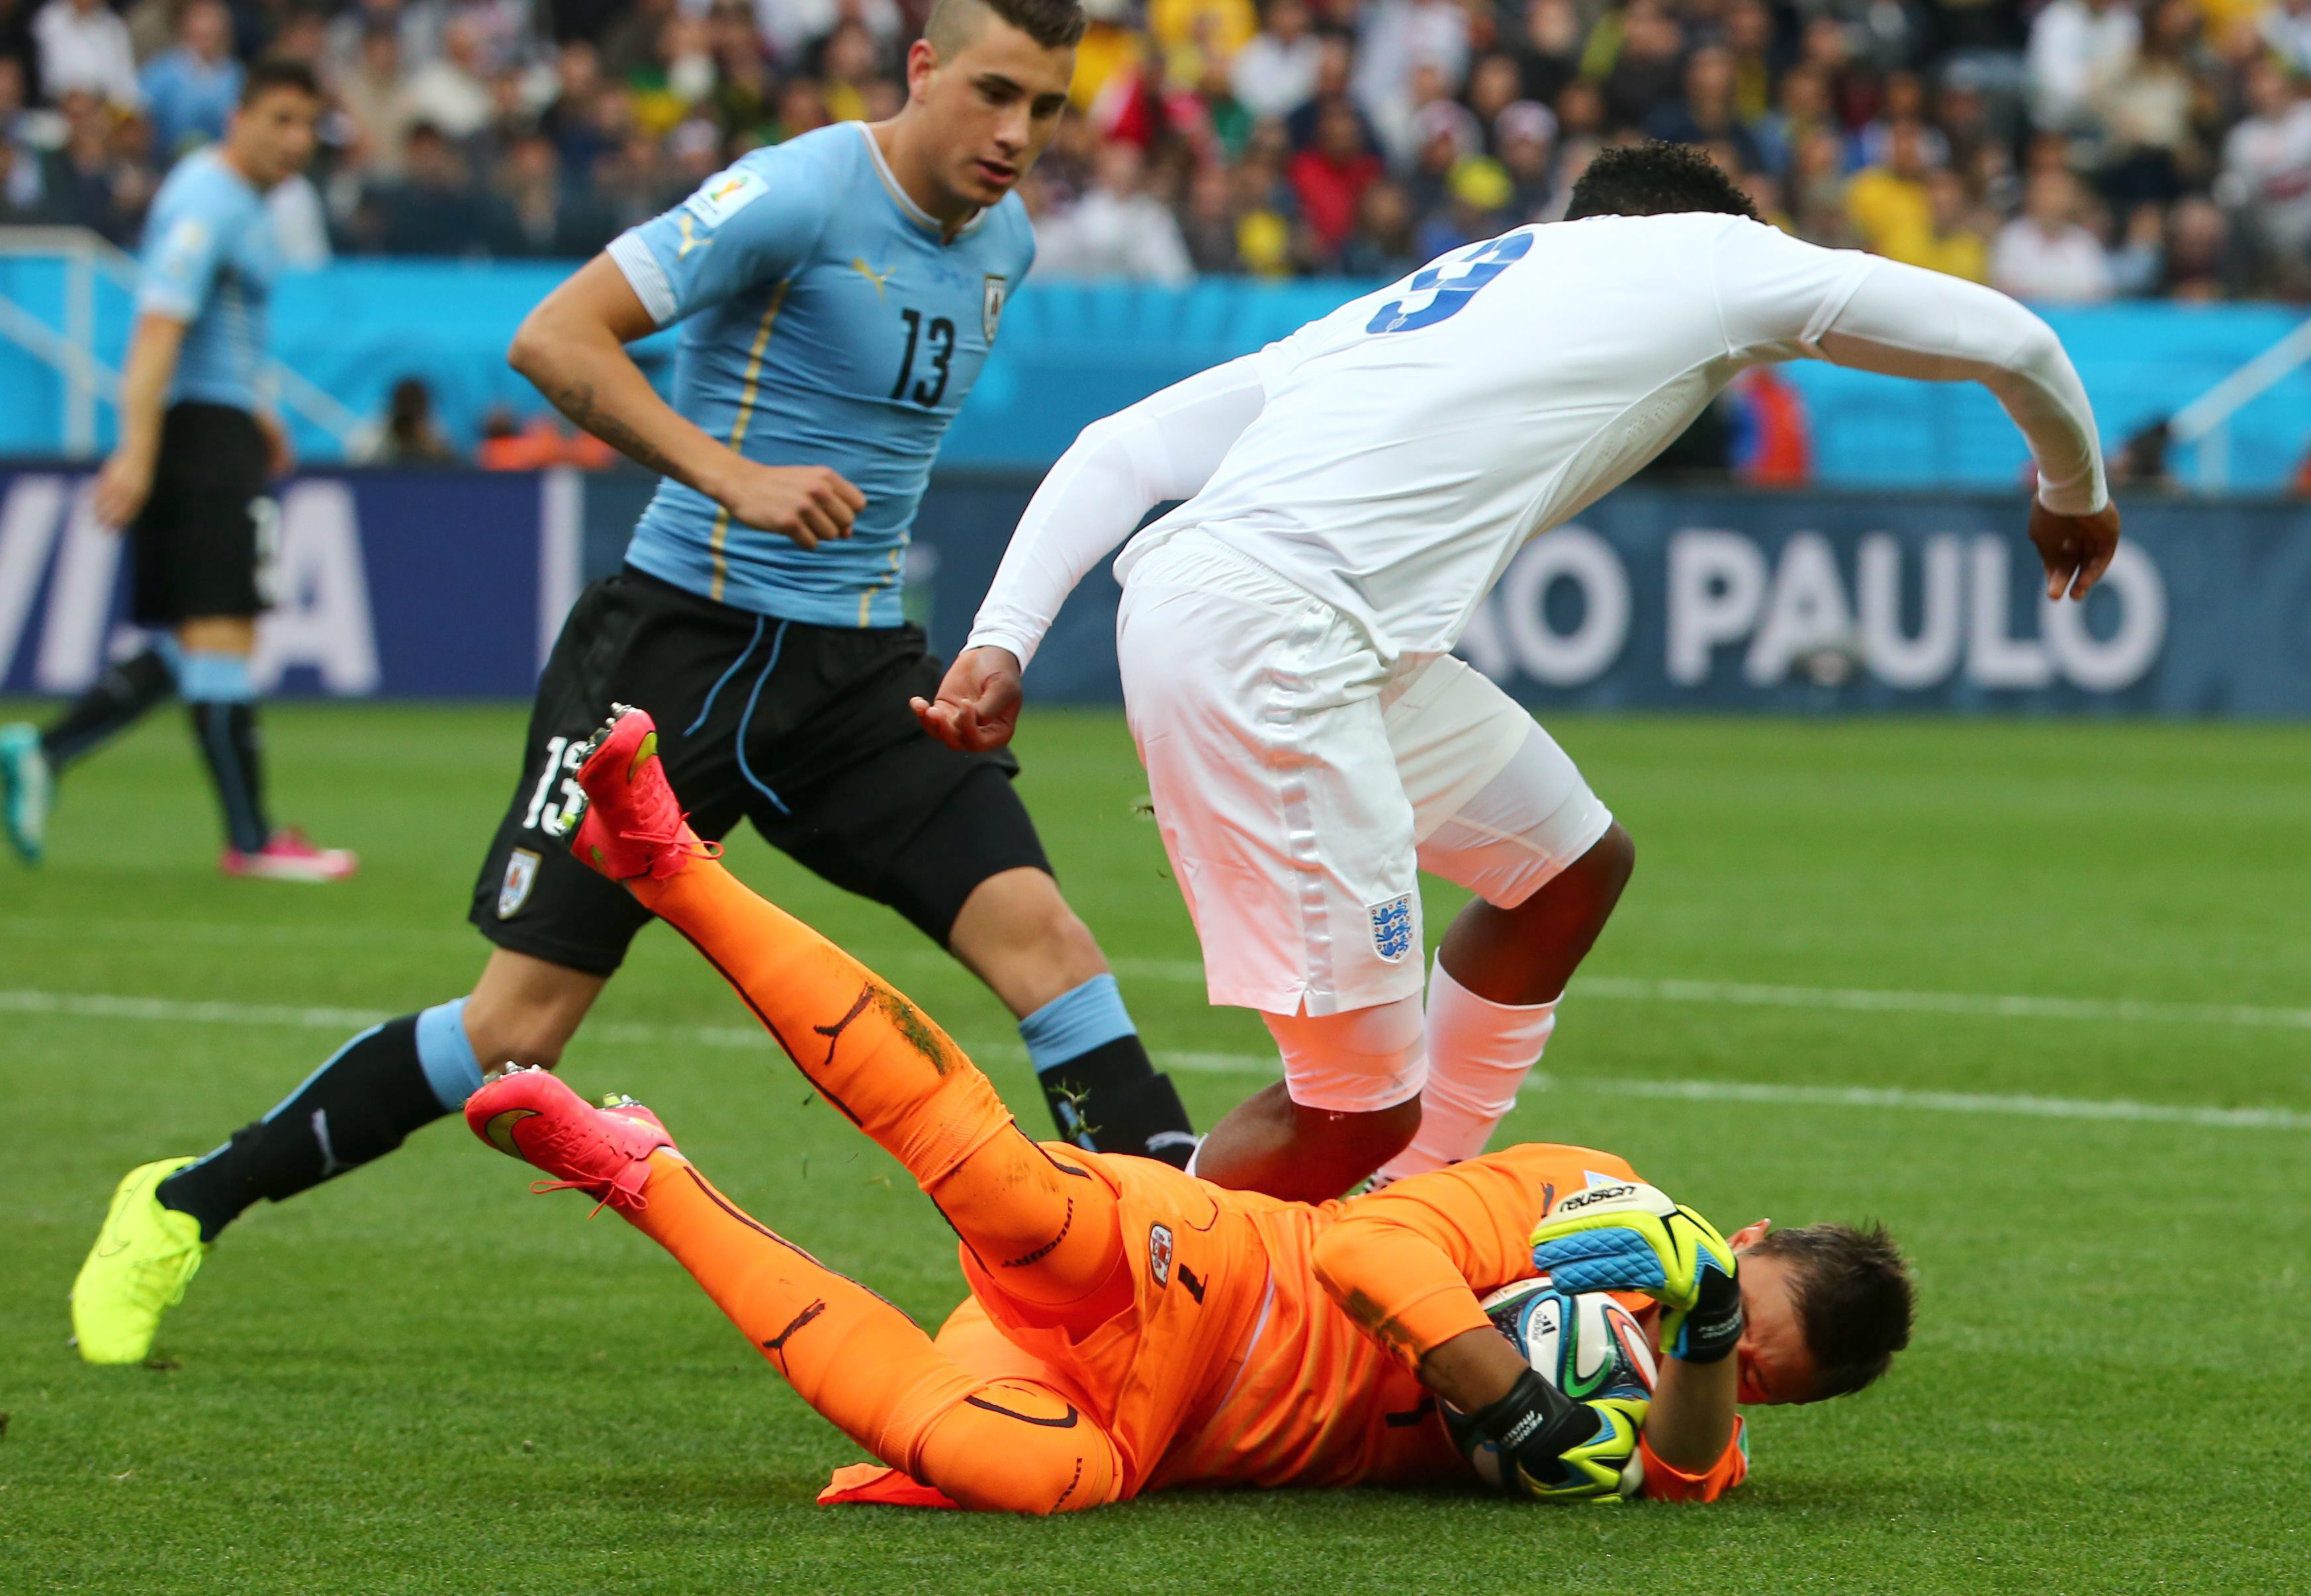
point(1585, 1343)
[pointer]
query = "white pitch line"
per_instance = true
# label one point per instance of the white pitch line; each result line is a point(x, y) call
point(1611, 989)
point(101, 1005)
point(1989, 1005)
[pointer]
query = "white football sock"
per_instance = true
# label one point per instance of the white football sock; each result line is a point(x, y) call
point(1479, 1052)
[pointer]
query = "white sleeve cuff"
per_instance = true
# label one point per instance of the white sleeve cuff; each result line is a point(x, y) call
point(643, 274)
point(1003, 637)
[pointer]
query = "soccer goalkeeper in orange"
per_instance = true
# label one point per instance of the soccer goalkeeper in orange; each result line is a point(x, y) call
point(1130, 1328)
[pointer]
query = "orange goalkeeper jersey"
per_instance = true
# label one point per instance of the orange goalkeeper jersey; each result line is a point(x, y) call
point(1274, 1343)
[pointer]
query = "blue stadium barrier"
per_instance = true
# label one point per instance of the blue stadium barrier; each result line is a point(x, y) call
point(451, 585)
point(1070, 352)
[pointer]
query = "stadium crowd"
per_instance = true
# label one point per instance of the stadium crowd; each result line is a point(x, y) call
point(2076, 150)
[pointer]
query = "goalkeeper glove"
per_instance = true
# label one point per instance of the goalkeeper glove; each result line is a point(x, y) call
point(1555, 1449)
point(1629, 1236)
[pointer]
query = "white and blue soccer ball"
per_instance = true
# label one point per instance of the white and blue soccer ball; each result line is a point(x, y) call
point(1585, 1343)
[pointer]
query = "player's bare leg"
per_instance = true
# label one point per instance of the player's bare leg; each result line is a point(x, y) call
point(1525, 956)
point(523, 1010)
point(1016, 934)
point(1268, 1143)
point(1010, 1444)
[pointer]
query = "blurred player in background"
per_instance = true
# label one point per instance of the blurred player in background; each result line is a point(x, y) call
point(188, 478)
point(838, 294)
point(1132, 1329)
point(1285, 636)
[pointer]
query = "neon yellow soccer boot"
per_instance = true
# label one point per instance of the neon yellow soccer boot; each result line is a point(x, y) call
point(143, 1258)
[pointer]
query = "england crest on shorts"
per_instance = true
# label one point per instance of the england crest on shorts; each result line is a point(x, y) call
point(522, 874)
point(1159, 1253)
point(990, 304)
point(1395, 928)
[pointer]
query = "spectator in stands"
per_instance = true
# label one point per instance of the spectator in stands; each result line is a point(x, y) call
point(1117, 229)
point(1383, 247)
point(1444, 134)
point(375, 98)
point(1476, 206)
point(2286, 26)
point(1329, 178)
point(23, 191)
point(190, 91)
point(85, 47)
point(1266, 215)
point(1524, 136)
point(452, 92)
point(2046, 255)
point(1801, 107)
point(2075, 45)
point(408, 434)
point(434, 209)
point(1888, 205)
point(1493, 85)
point(1548, 53)
point(2197, 263)
point(84, 181)
point(1706, 113)
point(1955, 240)
point(1645, 55)
point(1207, 223)
point(1399, 38)
point(791, 27)
point(1275, 74)
point(22, 195)
point(2266, 174)
point(2143, 108)
point(1184, 30)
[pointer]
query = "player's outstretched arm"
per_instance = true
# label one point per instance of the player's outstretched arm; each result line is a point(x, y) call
point(1117, 469)
point(573, 347)
point(1909, 322)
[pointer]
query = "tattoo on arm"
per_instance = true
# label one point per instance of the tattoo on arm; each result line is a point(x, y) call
point(576, 401)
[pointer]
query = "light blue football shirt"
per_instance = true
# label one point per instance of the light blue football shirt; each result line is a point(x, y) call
point(826, 322)
point(210, 258)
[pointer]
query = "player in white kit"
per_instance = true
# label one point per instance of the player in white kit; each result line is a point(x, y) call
point(1351, 493)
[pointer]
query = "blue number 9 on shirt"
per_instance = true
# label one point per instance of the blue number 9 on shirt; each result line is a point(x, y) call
point(1449, 285)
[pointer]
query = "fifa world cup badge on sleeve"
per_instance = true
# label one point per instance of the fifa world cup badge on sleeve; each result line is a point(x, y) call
point(990, 304)
point(1395, 928)
point(522, 874)
point(724, 196)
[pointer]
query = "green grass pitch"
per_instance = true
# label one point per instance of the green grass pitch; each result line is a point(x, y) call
point(421, 1379)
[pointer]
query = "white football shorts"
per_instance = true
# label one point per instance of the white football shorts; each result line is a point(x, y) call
point(1300, 785)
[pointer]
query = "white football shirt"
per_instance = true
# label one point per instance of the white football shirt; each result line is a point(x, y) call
point(1392, 456)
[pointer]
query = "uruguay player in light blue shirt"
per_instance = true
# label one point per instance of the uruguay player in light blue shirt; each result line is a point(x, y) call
point(837, 296)
point(187, 481)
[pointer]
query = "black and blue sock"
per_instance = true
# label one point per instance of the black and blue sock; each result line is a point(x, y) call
point(221, 695)
point(1104, 1093)
point(359, 1106)
point(120, 698)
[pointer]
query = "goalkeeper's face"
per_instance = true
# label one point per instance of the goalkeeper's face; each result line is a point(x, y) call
point(1775, 1364)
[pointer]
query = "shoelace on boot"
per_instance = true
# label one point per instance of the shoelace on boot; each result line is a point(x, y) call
point(667, 850)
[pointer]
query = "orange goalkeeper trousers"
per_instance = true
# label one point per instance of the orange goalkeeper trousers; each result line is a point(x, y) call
point(1040, 1226)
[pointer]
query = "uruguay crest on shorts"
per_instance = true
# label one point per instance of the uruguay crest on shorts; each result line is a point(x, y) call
point(522, 874)
point(991, 304)
point(1395, 928)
